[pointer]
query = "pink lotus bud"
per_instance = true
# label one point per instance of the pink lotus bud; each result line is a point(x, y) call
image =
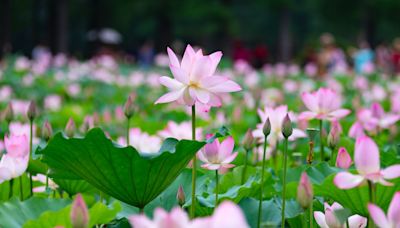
point(9, 113)
point(79, 213)
point(267, 127)
point(180, 196)
point(287, 128)
point(129, 107)
point(305, 191)
point(343, 159)
point(70, 128)
point(248, 141)
point(377, 110)
point(47, 130)
point(32, 111)
point(334, 134)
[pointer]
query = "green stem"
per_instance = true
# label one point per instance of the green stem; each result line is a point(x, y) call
point(262, 184)
point(245, 167)
point(194, 165)
point(127, 130)
point(216, 188)
point(311, 215)
point(321, 140)
point(285, 154)
point(30, 153)
point(333, 156)
point(10, 193)
point(371, 188)
point(21, 196)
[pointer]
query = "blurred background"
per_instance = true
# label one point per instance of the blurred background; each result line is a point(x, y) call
point(258, 31)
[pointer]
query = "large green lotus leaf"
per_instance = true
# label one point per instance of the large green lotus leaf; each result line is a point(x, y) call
point(98, 214)
point(15, 213)
point(120, 172)
point(73, 187)
point(356, 199)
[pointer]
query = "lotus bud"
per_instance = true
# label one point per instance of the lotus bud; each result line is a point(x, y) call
point(70, 128)
point(129, 108)
point(47, 130)
point(79, 213)
point(305, 192)
point(287, 128)
point(9, 113)
point(267, 127)
point(32, 111)
point(248, 141)
point(180, 196)
point(312, 132)
point(343, 159)
point(333, 136)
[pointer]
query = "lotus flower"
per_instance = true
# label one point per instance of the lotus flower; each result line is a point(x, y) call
point(392, 220)
point(216, 155)
point(343, 159)
point(305, 191)
point(79, 213)
point(366, 159)
point(142, 141)
point(329, 220)
point(323, 104)
point(194, 79)
point(276, 116)
point(15, 162)
point(179, 131)
point(227, 214)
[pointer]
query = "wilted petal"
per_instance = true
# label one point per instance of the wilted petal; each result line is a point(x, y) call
point(378, 216)
point(345, 180)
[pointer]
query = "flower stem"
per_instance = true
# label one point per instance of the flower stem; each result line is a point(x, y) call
point(30, 154)
point(245, 167)
point(194, 165)
point(127, 130)
point(10, 193)
point(311, 215)
point(310, 155)
point(262, 184)
point(21, 196)
point(285, 154)
point(216, 188)
point(333, 156)
point(321, 140)
point(371, 188)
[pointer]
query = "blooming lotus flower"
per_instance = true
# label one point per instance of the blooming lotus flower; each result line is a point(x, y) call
point(392, 220)
point(227, 214)
point(194, 79)
point(179, 131)
point(142, 141)
point(343, 159)
point(366, 159)
point(329, 220)
point(43, 179)
point(323, 104)
point(216, 155)
point(15, 162)
point(276, 116)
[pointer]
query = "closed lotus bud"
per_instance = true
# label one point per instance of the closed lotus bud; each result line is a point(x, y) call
point(129, 108)
point(312, 132)
point(70, 128)
point(267, 127)
point(287, 128)
point(32, 111)
point(9, 113)
point(343, 159)
point(305, 191)
point(79, 213)
point(47, 130)
point(334, 135)
point(180, 196)
point(248, 141)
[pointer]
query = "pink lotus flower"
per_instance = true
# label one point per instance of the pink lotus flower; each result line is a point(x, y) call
point(305, 191)
point(216, 155)
point(179, 131)
point(323, 104)
point(142, 141)
point(329, 220)
point(366, 159)
point(79, 213)
point(276, 116)
point(194, 79)
point(343, 159)
point(15, 162)
point(392, 220)
point(227, 214)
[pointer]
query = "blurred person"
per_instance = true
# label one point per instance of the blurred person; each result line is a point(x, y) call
point(396, 56)
point(331, 59)
point(363, 58)
point(146, 54)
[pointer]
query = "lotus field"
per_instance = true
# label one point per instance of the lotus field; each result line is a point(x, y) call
point(196, 142)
